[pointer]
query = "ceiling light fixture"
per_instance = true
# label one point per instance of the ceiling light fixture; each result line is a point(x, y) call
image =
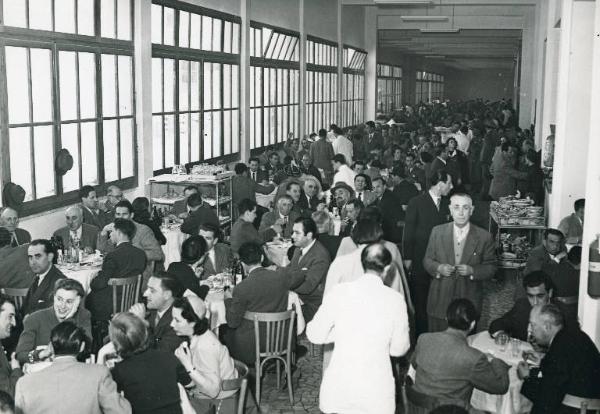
point(456, 30)
point(424, 18)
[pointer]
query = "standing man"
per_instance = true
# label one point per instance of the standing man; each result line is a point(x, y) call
point(414, 173)
point(180, 207)
point(572, 225)
point(219, 255)
point(321, 152)
point(9, 218)
point(549, 255)
point(359, 377)
point(342, 145)
point(76, 231)
point(89, 202)
point(258, 175)
point(343, 173)
point(459, 257)
point(372, 141)
point(404, 190)
point(391, 211)
point(200, 213)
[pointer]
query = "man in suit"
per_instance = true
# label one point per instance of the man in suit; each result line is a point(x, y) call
point(308, 168)
point(309, 201)
point(68, 386)
point(372, 139)
point(550, 254)
point(244, 231)
point(540, 291)
point(414, 174)
point(10, 372)
point(353, 209)
point(113, 196)
point(91, 212)
point(124, 261)
point(439, 163)
point(403, 189)
point(83, 235)
point(361, 187)
point(9, 218)
point(391, 211)
point(282, 215)
point(448, 369)
point(218, 255)
point(459, 257)
point(15, 271)
point(200, 213)
point(572, 225)
point(321, 152)
point(570, 368)
point(42, 257)
point(243, 186)
point(262, 290)
point(160, 294)
point(255, 173)
point(308, 267)
point(68, 294)
point(180, 207)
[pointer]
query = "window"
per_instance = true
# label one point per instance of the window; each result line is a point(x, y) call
point(429, 86)
point(353, 97)
point(321, 84)
point(389, 88)
point(195, 95)
point(73, 92)
point(274, 86)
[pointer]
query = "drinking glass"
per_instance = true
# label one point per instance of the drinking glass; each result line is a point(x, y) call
point(502, 340)
point(515, 347)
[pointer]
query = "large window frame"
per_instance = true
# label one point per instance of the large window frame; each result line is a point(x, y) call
point(428, 86)
point(75, 52)
point(389, 87)
point(353, 96)
point(185, 46)
point(321, 83)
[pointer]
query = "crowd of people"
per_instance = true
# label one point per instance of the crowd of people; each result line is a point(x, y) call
point(384, 258)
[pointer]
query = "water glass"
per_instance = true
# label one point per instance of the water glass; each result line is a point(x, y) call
point(515, 348)
point(502, 340)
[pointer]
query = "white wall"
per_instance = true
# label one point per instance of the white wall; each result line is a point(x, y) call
point(278, 13)
point(353, 26)
point(485, 83)
point(320, 18)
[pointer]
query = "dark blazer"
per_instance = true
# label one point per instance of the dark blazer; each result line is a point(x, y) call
point(321, 153)
point(8, 376)
point(389, 205)
point(538, 259)
point(307, 277)
point(243, 187)
point(268, 219)
point(436, 164)
point(40, 297)
point(451, 375)
point(15, 271)
point(243, 231)
point(179, 207)
point(95, 219)
point(161, 335)
point(417, 175)
point(204, 214)
point(331, 243)
point(125, 261)
point(306, 206)
point(223, 259)
point(312, 170)
point(263, 290)
point(22, 237)
point(186, 276)
point(261, 175)
point(421, 217)
point(89, 236)
point(404, 192)
point(369, 144)
point(571, 366)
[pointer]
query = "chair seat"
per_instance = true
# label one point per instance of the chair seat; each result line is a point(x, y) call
point(581, 402)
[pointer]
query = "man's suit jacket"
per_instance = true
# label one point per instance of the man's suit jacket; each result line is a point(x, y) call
point(308, 207)
point(223, 259)
point(95, 219)
point(404, 192)
point(89, 236)
point(143, 239)
point(40, 297)
point(70, 387)
point(186, 276)
point(321, 153)
point(125, 261)
point(312, 170)
point(571, 366)
point(539, 258)
point(571, 227)
point(367, 197)
point(263, 290)
point(22, 237)
point(161, 335)
point(421, 217)
point(436, 164)
point(448, 369)
point(261, 175)
point(244, 187)
point(15, 271)
point(417, 175)
point(8, 376)
point(203, 215)
point(307, 275)
point(268, 219)
point(179, 207)
point(331, 243)
point(370, 144)
point(243, 232)
point(389, 205)
point(479, 252)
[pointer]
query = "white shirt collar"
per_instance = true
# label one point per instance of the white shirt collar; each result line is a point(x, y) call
point(76, 232)
point(43, 275)
point(434, 197)
point(461, 233)
point(307, 248)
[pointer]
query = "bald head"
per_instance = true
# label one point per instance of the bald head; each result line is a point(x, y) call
point(74, 217)
point(375, 259)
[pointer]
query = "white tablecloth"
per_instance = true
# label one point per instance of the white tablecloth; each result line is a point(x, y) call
point(172, 248)
point(513, 402)
point(265, 200)
point(82, 274)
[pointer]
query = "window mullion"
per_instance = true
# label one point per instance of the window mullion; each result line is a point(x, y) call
point(56, 113)
point(31, 129)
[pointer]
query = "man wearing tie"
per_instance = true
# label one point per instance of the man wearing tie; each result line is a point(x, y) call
point(362, 193)
point(9, 218)
point(258, 176)
point(91, 213)
point(219, 255)
point(423, 213)
point(76, 231)
point(282, 215)
point(41, 257)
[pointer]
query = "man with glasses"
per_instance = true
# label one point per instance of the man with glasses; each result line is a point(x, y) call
point(113, 196)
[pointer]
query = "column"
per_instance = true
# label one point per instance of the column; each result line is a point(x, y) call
point(340, 67)
point(245, 81)
point(371, 63)
point(302, 81)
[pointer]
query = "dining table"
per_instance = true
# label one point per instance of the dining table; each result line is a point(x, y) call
point(82, 272)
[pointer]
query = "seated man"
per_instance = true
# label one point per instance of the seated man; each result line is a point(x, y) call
point(572, 225)
point(262, 290)
point(515, 322)
point(353, 210)
point(160, 294)
point(282, 215)
point(294, 190)
point(180, 207)
point(200, 213)
point(9, 218)
point(309, 201)
point(570, 367)
point(565, 278)
point(255, 173)
point(42, 257)
point(243, 187)
point(219, 256)
point(113, 196)
point(363, 194)
point(68, 293)
point(448, 369)
point(551, 252)
point(15, 271)
point(307, 167)
point(91, 212)
point(341, 193)
point(244, 231)
point(76, 231)
point(9, 372)
point(308, 267)
point(124, 261)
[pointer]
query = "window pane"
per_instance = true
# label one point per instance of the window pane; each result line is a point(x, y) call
point(195, 85)
point(68, 137)
point(216, 85)
point(124, 20)
point(126, 147)
point(235, 77)
point(227, 37)
point(89, 159)
point(157, 85)
point(64, 15)
point(208, 130)
point(169, 26)
point(44, 164)
point(40, 14)
point(184, 26)
point(206, 33)
point(85, 17)
point(41, 85)
point(195, 137)
point(169, 79)
point(125, 92)
point(15, 13)
point(184, 85)
point(226, 132)
point(169, 140)
point(108, 86)
point(17, 83)
point(157, 142)
point(207, 85)
point(227, 87)
point(195, 31)
point(184, 139)
point(20, 159)
point(216, 134)
point(235, 36)
point(87, 85)
point(156, 23)
point(107, 18)
point(68, 85)
point(111, 163)
point(216, 41)
point(235, 131)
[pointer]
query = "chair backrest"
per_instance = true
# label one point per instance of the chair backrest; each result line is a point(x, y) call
point(129, 292)
point(239, 383)
point(17, 295)
point(278, 332)
point(584, 404)
point(420, 400)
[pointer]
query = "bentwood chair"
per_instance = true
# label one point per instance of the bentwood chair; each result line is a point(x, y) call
point(274, 335)
point(584, 404)
point(17, 295)
point(125, 292)
point(240, 383)
point(416, 402)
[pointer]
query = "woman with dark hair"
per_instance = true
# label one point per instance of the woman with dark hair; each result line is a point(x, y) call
point(147, 377)
point(189, 271)
point(206, 360)
point(141, 215)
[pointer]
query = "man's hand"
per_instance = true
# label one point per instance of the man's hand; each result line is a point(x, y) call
point(407, 264)
point(277, 227)
point(139, 310)
point(445, 270)
point(46, 353)
point(464, 270)
point(522, 370)
point(279, 222)
point(183, 215)
point(14, 363)
point(561, 255)
point(107, 229)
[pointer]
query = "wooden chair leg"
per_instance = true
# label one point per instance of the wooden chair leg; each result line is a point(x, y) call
point(278, 373)
point(258, 378)
point(288, 370)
